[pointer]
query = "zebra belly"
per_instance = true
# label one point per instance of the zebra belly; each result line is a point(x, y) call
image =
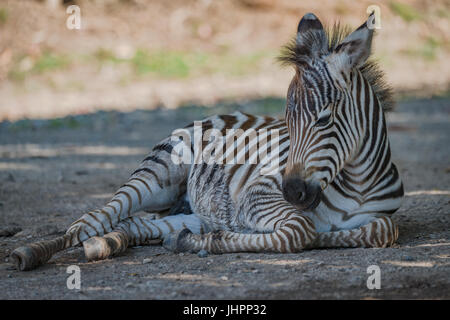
point(209, 197)
point(333, 221)
point(213, 189)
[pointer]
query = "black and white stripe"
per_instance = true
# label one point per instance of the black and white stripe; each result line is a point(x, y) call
point(333, 137)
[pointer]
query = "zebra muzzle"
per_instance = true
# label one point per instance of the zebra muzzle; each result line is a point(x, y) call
point(302, 194)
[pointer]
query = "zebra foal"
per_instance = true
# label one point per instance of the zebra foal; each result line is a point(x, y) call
point(335, 186)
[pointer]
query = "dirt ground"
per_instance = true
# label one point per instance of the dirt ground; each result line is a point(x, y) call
point(51, 171)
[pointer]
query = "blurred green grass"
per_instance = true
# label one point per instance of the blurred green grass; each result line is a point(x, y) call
point(405, 11)
point(144, 62)
point(177, 64)
point(4, 15)
point(48, 61)
point(427, 49)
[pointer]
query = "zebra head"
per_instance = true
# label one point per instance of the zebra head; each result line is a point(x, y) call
point(321, 107)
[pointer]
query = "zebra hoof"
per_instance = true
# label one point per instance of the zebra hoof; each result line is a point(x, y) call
point(96, 248)
point(175, 241)
point(25, 259)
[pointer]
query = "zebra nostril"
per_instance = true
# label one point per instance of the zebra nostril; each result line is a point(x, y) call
point(301, 196)
point(300, 188)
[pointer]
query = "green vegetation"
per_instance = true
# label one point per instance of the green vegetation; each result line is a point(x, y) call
point(20, 125)
point(3, 16)
point(159, 63)
point(184, 64)
point(239, 65)
point(166, 64)
point(428, 49)
point(177, 64)
point(16, 75)
point(443, 13)
point(405, 11)
point(25, 65)
point(50, 61)
point(67, 122)
point(144, 62)
point(105, 55)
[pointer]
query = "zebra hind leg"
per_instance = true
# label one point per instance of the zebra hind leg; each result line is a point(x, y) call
point(135, 231)
point(31, 256)
point(293, 235)
point(155, 185)
point(379, 233)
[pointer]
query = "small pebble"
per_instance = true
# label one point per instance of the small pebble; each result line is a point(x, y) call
point(202, 253)
point(408, 258)
point(224, 278)
point(147, 260)
point(10, 178)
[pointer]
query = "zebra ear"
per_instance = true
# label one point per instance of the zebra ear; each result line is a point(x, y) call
point(311, 36)
point(354, 50)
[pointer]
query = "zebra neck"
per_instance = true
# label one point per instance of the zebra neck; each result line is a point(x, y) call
point(372, 162)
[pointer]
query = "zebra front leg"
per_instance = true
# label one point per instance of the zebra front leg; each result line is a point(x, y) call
point(293, 235)
point(136, 231)
point(155, 185)
point(379, 233)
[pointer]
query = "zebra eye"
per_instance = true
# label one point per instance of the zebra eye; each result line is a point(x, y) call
point(323, 120)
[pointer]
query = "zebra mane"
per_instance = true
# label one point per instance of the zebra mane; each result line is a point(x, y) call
point(294, 54)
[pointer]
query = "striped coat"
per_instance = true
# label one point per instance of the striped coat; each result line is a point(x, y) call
point(321, 177)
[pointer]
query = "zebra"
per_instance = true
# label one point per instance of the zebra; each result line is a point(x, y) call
point(335, 185)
